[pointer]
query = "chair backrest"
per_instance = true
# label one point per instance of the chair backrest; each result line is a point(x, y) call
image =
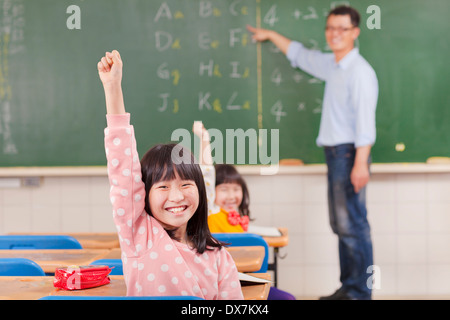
point(120, 298)
point(19, 267)
point(246, 239)
point(41, 242)
point(115, 264)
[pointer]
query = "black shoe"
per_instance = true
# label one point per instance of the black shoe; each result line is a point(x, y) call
point(340, 294)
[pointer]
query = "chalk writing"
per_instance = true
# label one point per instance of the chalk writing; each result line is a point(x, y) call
point(307, 17)
point(229, 72)
point(12, 17)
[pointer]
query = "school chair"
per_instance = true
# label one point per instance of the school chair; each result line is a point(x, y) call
point(246, 239)
point(120, 298)
point(40, 242)
point(19, 267)
point(114, 264)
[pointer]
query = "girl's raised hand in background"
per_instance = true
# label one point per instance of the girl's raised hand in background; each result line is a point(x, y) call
point(200, 131)
point(110, 68)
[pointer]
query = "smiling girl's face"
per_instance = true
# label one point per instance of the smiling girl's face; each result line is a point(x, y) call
point(229, 196)
point(173, 203)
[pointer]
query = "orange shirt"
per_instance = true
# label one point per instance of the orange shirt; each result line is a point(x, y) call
point(218, 223)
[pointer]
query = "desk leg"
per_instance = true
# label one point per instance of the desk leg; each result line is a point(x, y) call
point(273, 266)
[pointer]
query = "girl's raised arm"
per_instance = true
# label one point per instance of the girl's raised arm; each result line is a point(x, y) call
point(206, 165)
point(127, 192)
point(205, 157)
point(110, 73)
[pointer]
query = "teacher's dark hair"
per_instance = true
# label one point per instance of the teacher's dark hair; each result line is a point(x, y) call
point(346, 10)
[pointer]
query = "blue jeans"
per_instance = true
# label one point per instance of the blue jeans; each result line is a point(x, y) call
point(348, 220)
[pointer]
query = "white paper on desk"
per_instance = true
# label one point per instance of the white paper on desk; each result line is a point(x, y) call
point(249, 278)
point(264, 231)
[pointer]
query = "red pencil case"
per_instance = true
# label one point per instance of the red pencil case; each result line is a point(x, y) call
point(81, 277)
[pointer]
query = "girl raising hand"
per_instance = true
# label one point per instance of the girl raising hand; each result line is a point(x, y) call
point(160, 211)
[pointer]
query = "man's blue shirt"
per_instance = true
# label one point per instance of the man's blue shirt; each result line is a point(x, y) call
point(350, 98)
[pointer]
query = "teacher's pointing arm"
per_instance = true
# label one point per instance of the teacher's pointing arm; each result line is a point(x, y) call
point(280, 41)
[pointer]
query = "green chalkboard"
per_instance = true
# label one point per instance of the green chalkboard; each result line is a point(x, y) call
point(187, 60)
point(408, 54)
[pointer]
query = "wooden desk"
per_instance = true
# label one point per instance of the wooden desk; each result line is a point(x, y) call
point(33, 288)
point(49, 260)
point(88, 240)
point(247, 259)
point(115, 253)
point(257, 291)
point(97, 240)
point(276, 243)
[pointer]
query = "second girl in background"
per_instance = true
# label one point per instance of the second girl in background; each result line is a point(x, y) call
point(228, 198)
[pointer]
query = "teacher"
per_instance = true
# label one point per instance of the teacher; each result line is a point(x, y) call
point(347, 133)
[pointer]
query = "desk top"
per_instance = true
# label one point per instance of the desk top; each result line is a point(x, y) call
point(110, 240)
point(97, 240)
point(115, 253)
point(247, 259)
point(280, 241)
point(33, 288)
point(49, 260)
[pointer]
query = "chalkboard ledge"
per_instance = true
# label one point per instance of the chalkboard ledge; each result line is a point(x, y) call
point(376, 168)
point(53, 171)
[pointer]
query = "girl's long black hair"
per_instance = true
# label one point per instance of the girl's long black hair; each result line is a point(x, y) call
point(158, 165)
point(226, 173)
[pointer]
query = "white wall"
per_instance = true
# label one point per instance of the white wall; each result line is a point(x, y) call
point(410, 221)
point(409, 215)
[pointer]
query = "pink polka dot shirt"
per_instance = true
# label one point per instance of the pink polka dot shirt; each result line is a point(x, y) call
point(153, 263)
